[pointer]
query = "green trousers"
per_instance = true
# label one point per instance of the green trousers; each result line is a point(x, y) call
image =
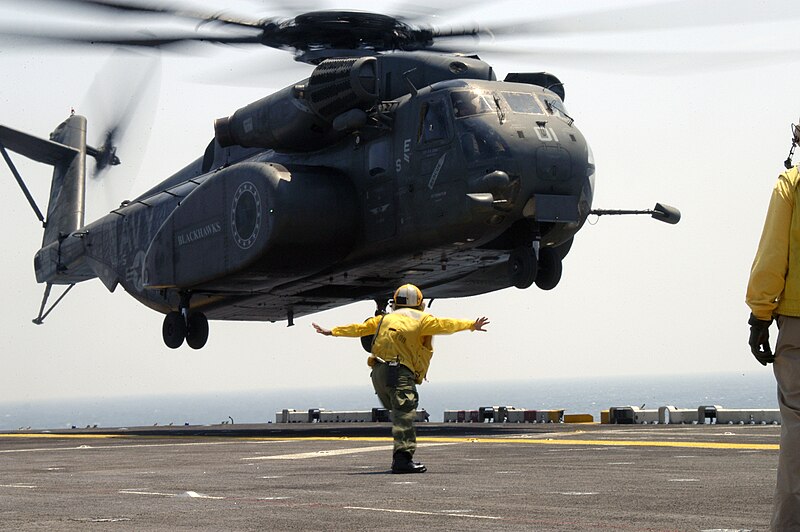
point(402, 401)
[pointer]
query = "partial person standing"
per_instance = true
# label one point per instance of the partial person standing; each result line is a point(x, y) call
point(773, 293)
point(401, 354)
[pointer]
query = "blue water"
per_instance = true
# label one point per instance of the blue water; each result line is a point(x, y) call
point(575, 396)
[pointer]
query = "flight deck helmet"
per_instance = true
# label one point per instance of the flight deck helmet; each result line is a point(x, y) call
point(408, 295)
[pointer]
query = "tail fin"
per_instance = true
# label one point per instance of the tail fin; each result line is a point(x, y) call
point(65, 210)
point(66, 153)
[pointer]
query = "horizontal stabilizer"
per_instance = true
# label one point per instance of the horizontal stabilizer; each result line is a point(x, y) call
point(36, 148)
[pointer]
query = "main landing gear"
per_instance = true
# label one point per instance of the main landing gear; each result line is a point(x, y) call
point(525, 268)
point(184, 324)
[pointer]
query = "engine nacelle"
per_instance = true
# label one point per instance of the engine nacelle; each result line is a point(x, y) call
point(257, 220)
point(300, 117)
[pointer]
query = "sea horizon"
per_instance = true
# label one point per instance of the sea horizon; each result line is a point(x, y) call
point(574, 395)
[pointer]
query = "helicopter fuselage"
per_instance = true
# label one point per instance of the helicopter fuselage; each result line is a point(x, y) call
point(443, 185)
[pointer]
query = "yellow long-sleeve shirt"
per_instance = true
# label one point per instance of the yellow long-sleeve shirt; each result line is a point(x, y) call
point(405, 336)
point(774, 286)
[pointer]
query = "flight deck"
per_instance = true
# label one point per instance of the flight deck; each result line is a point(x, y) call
point(313, 476)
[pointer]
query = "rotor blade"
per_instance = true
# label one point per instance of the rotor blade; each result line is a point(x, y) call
point(648, 62)
point(415, 12)
point(144, 40)
point(174, 12)
point(254, 71)
point(672, 14)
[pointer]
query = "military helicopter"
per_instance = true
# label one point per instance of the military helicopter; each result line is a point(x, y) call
point(397, 160)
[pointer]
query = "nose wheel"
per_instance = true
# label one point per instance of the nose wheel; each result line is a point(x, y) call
point(179, 327)
point(522, 266)
point(525, 268)
point(550, 269)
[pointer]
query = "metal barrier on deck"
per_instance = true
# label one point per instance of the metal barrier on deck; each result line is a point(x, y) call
point(320, 415)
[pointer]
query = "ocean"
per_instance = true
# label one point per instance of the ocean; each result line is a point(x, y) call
point(576, 396)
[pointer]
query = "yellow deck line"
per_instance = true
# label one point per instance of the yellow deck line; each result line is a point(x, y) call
point(64, 436)
point(443, 439)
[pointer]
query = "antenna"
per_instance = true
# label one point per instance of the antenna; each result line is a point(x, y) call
point(407, 78)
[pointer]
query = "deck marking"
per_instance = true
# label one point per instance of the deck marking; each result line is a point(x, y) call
point(428, 439)
point(195, 495)
point(64, 436)
point(142, 492)
point(113, 447)
point(612, 443)
point(320, 454)
point(99, 519)
point(189, 494)
point(25, 486)
point(336, 452)
point(528, 441)
point(418, 512)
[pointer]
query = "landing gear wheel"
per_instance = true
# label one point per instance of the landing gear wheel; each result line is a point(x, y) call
point(174, 329)
point(522, 267)
point(549, 269)
point(197, 331)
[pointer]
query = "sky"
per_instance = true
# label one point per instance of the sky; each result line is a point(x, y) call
point(637, 297)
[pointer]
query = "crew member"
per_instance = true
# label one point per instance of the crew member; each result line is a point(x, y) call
point(401, 353)
point(774, 293)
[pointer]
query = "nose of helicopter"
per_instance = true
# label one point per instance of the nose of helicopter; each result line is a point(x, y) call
point(522, 146)
point(556, 168)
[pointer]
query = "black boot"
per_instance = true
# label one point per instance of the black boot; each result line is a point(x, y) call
point(402, 463)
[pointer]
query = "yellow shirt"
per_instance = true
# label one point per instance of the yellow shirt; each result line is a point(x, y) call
point(774, 286)
point(405, 336)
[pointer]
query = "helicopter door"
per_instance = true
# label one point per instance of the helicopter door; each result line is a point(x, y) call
point(379, 201)
point(437, 189)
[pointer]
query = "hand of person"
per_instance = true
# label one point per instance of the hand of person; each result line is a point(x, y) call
point(759, 340)
point(326, 332)
point(479, 324)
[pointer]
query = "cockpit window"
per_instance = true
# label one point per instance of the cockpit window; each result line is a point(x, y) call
point(481, 141)
point(523, 102)
point(469, 103)
point(433, 125)
point(556, 107)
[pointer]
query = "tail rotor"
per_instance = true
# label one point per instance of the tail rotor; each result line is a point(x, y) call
point(122, 101)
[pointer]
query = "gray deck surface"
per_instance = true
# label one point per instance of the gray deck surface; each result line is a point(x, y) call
point(336, 477)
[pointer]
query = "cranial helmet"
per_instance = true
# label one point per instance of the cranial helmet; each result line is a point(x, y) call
point(407, 295)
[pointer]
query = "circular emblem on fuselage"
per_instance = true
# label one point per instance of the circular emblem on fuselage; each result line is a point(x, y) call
point(246, 215)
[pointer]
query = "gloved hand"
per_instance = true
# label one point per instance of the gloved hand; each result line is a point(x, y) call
point(759, 340)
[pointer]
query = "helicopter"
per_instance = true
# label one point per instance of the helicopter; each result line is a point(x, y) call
point(398, 160)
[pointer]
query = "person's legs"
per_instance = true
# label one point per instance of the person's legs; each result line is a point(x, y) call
point(402, 401)
point(786, 506)
point(404, 409)
point(379, 378)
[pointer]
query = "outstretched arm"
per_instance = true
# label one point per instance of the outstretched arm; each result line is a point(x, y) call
point(326, 332)
point(479, 324)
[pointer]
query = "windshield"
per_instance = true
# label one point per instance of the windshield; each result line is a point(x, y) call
point(469, 103)
point(523, 102)
point(481, 141)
